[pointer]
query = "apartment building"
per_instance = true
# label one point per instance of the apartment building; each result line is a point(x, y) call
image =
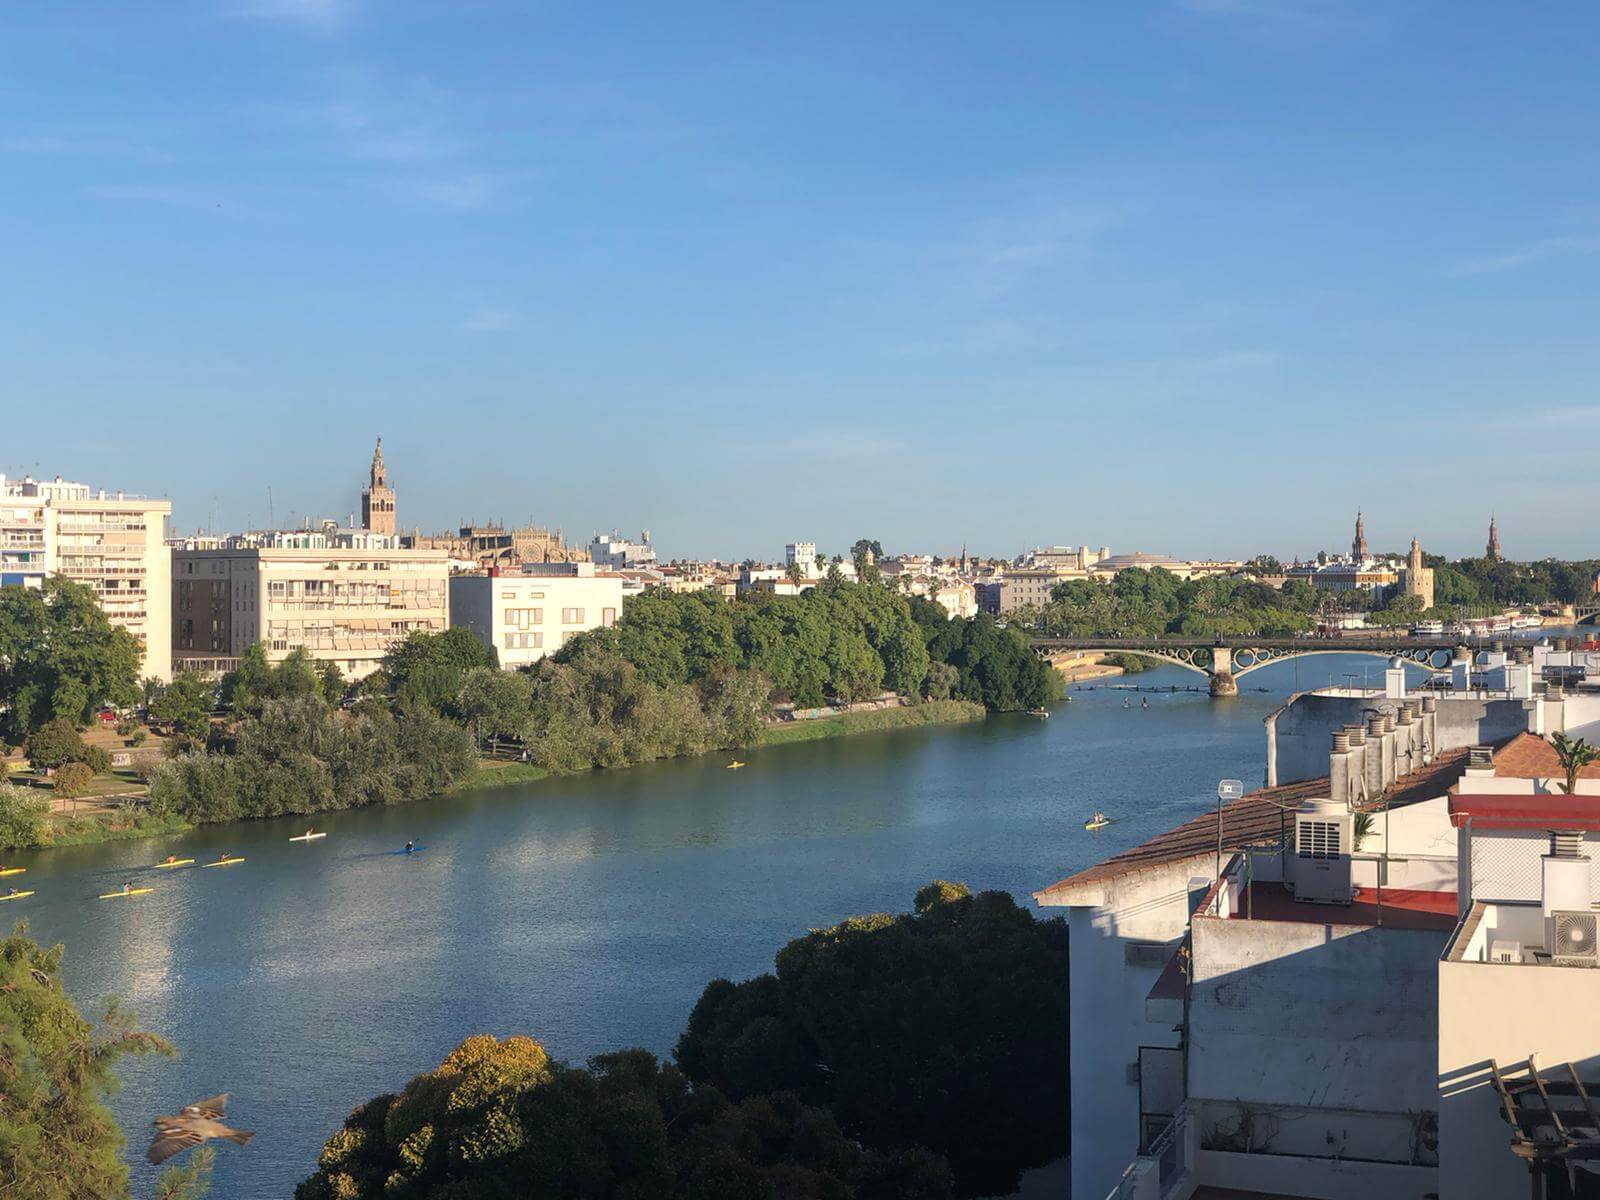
point(344, 599)
point(1386, 990)
point(529, 614)
point(113, 542)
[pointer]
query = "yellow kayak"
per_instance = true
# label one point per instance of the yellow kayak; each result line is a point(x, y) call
point(735, 765)
point(129, 892)
point(177, 862)
point(1098, 821)
point(224, 862)
point(16, 895)
point(4, 871)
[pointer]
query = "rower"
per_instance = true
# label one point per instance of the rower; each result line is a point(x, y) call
point(410, 846)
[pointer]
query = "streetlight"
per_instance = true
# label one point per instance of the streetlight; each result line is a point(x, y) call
point(1227, 789)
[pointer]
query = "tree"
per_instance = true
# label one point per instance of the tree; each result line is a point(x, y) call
point(59, 1141)
point(74, 780)
point(24, 817)
point(332, 680)
point(54, 744)
point(499, 1120)
point(862, 545)
point(848, 1021)
point(60, 657)
point(184, 705)
point(1574, 754)
point(427, 669)
point(494, 703)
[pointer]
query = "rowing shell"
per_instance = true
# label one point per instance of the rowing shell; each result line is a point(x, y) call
point(16, 896)
point(12, 871)
point(224, 862)
point(177, 862)
point(308, 837)
point(120, 895)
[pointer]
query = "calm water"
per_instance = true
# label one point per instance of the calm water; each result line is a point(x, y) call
point(588, 912)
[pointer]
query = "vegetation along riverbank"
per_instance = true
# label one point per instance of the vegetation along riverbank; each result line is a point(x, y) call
point(678, 675)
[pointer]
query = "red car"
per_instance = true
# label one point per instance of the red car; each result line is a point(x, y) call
point(108, 716)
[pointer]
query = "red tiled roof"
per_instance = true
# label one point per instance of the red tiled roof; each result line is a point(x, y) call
point(1252, 820)
point(1529, 757)
point(1525, 810)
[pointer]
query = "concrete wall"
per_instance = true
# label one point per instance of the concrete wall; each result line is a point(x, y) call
point(1325, 1032)
point(1299, 734)
point(1504, 1013)
point(1107, 1005)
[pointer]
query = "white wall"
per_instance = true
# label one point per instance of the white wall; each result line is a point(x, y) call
point(1107, 1006)
point(1504, 1013)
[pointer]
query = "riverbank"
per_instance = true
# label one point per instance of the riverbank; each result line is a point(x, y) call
point(129, 824)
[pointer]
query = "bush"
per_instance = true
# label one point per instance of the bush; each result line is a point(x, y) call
point(54, 743)
point(138, 738)
point(97, 759)
point(24, 818)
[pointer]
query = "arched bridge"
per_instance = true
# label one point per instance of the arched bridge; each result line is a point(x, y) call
point(1223, 660)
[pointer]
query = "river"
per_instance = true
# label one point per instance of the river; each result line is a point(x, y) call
point(587, 911)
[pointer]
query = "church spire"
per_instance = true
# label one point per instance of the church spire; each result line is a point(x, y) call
point(1358, 544)
point(1493, 549)
point(377, 498)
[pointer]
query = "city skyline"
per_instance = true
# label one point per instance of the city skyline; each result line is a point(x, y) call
point(1197, 277)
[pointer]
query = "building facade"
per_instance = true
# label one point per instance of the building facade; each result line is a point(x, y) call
point(495, 545)
point(612, 551)
point(113, 543)
point(345, 604)
point(526, 615)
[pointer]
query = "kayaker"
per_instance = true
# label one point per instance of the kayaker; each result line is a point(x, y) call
point(410, 846)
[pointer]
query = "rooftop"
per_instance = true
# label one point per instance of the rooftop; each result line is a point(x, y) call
point(1529, 757)
point(1392, 908)
point(1253, 820)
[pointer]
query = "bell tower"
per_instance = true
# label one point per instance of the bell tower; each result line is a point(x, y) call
point(1493, 549)
point(1358, 545)
point(377, 498)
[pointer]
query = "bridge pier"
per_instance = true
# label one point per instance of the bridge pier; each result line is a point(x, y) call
point(1222, 681)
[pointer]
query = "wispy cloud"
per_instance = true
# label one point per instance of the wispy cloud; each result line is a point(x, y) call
point(489, 320)
point(1540, 251)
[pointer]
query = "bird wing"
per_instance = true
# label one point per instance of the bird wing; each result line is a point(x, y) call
point(210, 1107)
point(170, 1139)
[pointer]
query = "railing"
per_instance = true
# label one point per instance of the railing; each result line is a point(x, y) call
point(1165, 1171)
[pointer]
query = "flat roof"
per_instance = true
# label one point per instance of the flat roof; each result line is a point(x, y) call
point(1393, 908)
point(1525, 810)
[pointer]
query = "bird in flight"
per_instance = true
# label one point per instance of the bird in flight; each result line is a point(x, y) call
point(195, 1123)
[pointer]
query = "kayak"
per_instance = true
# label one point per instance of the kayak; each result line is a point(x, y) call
point(413, 850)
point(119, 895)
point(16, 896)
point(177, 862)
point(307, 837)
point(12, 871)
point(735, 765)
point(1098, 821)
point(224, 862)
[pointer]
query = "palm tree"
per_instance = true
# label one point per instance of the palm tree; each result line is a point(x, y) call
point(1574, 754)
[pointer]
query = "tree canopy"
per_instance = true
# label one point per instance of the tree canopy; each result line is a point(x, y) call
point(58, 1140)
point(946, 1028)
point(60, 657)
point(499, 1120)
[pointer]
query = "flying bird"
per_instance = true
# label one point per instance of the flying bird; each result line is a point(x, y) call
point(195, 1123)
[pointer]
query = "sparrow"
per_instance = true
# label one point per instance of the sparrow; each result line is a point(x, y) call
point(195, 1123)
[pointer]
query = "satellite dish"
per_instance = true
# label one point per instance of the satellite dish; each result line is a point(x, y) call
point(1230, 789)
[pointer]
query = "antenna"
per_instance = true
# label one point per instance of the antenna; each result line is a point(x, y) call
point(269, 506)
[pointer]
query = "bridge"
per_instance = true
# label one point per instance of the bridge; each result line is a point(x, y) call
point(1224, 660)
point(1586, 614)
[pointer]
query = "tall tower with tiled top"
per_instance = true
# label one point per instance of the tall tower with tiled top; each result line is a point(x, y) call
point(1493, 550)
point(1358, 545)
point(377, 498)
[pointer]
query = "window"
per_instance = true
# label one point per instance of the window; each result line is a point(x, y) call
point(572, 616)
point(608, 617)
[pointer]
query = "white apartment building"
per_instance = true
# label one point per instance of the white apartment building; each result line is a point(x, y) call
point(527, 615)
point(1390, 961)
point(611, 551)
point(802, 555)
point(115, 543)
point(346, 604)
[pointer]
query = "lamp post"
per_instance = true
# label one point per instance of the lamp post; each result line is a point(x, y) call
point(1227, 789)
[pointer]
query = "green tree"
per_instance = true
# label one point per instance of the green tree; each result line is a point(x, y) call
point(74, 780)
point(332, 681)
point(499, 1120)
point(494, 703)
point(57, 1139)
point(427, 669)
point(184, 705)
point(60, 657)
point(849, 1017)
point(24, 817)
point(54, 744)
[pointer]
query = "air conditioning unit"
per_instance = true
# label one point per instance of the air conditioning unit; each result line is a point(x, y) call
point(1502, 950)
point(1573, 937)
point(1319, 869)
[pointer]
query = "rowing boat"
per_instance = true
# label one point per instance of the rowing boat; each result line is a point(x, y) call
point(307, 837)
point(735, 765)
point(130, 892)
point(1098, 821)
point(11, 871)
point(16, 896)
point(418, 849)
point(224, 862)
point(177, 862)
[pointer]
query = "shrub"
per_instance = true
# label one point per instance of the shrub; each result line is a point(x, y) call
point(74, 780)
point(24, 818)
point(54, 743)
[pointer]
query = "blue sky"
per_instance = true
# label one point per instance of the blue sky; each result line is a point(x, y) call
point(1191, 276)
